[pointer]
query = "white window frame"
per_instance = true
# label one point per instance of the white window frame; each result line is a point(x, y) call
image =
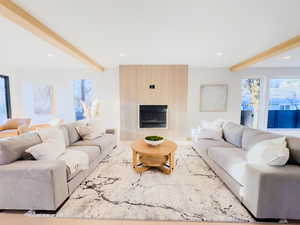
point(266, 99)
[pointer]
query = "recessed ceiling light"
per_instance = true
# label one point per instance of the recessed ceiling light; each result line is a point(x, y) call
point(219, 53)
point(287, 57)
point(50, 55)
point(122, 54)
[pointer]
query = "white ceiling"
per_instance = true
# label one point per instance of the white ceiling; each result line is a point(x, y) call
point(287, 59)
point(21, 49)
point(152, 32)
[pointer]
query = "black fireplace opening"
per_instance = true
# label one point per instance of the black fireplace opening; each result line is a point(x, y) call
point(153, 116)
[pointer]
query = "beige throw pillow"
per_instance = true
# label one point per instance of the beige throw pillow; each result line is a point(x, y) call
point(46, 151)
point(52, 147)
point(90, 131)
point(52, 135)
point(210, 129)
point(208, 133)
point(272, 152)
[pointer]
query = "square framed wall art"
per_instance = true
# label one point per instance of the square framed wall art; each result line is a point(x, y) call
point(213, 97)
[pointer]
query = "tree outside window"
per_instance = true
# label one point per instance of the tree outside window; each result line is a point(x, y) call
point(5, 108)
point(250, 102)
point(82, 92)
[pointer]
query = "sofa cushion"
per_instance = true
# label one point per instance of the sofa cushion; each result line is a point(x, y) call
point(202, 145)
point(102, 142)
point(93, 152)
point(253, 136)
point(293, 144)
point(12, 148)
point(232, 160)
point(71, 175)
point(65, 131)
point(233, 133)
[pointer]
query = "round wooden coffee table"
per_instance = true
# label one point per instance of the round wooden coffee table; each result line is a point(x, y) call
point(145, 156)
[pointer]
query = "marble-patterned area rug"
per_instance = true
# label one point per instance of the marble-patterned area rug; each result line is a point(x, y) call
point(191, 193)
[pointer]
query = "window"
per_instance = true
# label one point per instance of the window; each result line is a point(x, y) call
point(5, 108)
point(82, 92)
point(284, 103)
point(250, 102)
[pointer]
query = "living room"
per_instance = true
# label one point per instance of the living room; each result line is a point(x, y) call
point(125, 112)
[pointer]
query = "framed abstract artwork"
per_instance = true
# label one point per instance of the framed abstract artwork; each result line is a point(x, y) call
point(213, 97)
point(43, 100)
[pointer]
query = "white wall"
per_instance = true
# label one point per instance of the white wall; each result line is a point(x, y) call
point(200, 76)
point(105, 88)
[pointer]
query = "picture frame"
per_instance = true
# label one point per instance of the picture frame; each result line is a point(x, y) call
point(213, 97)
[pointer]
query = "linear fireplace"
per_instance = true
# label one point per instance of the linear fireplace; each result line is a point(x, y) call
point(153, 116)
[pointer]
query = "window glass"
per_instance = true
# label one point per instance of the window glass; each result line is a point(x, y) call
point(284, 103)
point(250, 102)
point(4, 99)
point(82, 92)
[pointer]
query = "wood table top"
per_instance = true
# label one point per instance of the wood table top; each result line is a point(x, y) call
point(165, 148)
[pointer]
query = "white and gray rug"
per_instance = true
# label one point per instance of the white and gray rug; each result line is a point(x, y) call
point(191, 193)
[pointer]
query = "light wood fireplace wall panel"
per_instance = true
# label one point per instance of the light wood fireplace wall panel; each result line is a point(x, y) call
point(170, 89)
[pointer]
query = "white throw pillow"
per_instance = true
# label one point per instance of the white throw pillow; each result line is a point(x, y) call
point(52, 135)
point(97, 125)
point(208, 133)
point(46, 151)
point(216, 124)
point(211, 129)
point(273, 152)
point(91, 130)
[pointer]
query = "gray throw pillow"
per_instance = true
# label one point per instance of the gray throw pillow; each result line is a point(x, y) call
point(11, 149)
point(233, 133)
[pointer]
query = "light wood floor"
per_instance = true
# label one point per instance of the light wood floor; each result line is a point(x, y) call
point(19, 219)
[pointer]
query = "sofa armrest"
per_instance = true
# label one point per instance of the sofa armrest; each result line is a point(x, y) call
point(23, 129)
point(2, 127)
point(36, 185)
point(272, 192)
point(110, 131)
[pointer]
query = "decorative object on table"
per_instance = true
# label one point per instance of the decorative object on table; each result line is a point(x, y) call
point(43, 100)
point(154, 140)
point(145, 156)
point(213, 97)
point(93, 111)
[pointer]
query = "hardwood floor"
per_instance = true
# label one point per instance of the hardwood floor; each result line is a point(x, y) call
point(20, 219)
